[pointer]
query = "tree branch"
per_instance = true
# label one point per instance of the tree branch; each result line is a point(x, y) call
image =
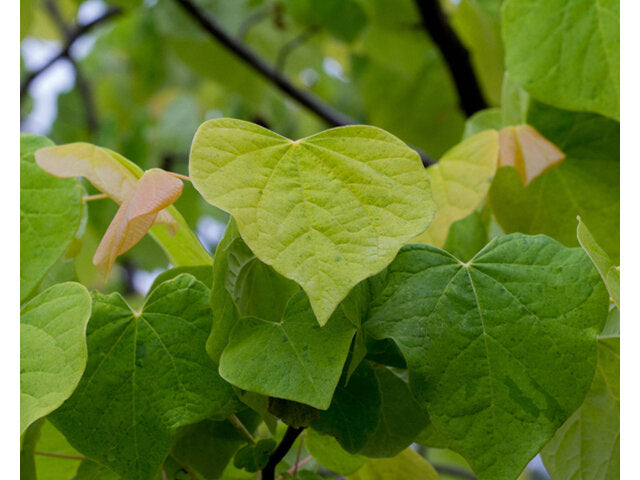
point(268, 472)
point(74, 35)
point(330, 115)
point(455, 55)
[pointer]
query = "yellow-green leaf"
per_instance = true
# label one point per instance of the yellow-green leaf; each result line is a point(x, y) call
point(326, 211)
point(460, 181)
point(408, 465)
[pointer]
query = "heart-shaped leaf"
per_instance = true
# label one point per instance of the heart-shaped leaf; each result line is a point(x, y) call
point(460, 181)
point(481, 337)
point(50, 214)
point(565, 52)
point(53, 350)
point(155, 191)
point(326, 211)
point(147, 374)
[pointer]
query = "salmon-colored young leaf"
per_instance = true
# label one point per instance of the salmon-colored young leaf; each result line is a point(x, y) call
point(525, 149)
point(98, 165)
point(155, 191)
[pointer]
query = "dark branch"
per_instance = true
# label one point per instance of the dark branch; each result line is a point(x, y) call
point(74, 35)
point(269, 471)
point(330, 115)
point(455, 55)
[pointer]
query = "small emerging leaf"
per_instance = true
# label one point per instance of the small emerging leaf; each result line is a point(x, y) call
point(254, 457)
point(523, 148)
point(155, 191)
point(106, 170)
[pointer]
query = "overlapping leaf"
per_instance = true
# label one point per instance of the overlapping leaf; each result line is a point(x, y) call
point(587, 446)
point(481, 337)
point(609, 272)
point(50, 214)
point(408, 465)
point(117, 177)
point(566, 52)
point(53, 350)
point(147, 375)
point(460, 182)
point(586, 183)
point(326, 211)
point(328, 452)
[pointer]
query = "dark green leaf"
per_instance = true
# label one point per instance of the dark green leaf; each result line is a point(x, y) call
point(254, 457)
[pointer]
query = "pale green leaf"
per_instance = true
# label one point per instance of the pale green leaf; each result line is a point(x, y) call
point(488, 119)
point(408, 465)
point(53, 350)
point(481, 337)
point(587, 446)
point(50, 214)
point(55, 468)
point(609, 272)
point(291, 357)
point(147, 375)
point(460, 182)
point(566, 53)
point(326, 211)
point(328, 452)
point(28, 441)
point(586, 183)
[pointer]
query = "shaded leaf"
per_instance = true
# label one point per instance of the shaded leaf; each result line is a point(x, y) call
point(55, 468)
point(326, 211)
point(466, 237)
point(53, 350)
point(609, 272)
point(291, 357)
point(460, 182)
point(202, 273)
point(481, 337)
point(328, 452)
point(147, 375)
point(254, 457)
point(153, 192)
point(50, 214)
point(28, 440)
point(523, 148)
point(587, 446)
point(586, 183)
point(573, 63)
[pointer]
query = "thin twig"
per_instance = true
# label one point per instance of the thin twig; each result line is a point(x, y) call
point(455, 55)
point(251, 21)
point(75, 34)
point(268, 472)
point(97, 196)
point(305, 98)
point(59, 455)
point(294, 43)
point(240, 426)
point(295, 467)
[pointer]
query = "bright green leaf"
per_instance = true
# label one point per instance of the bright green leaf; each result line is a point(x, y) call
point(55, 468)
point(609, 272)
point(50, 214)
point(408, 465)
point(328, 452)
point(481, 337)
point(586, 183)
point(53, 351)
point(488, 119)
point(587, 446)
point(566, 53)
point(460, 182)
point(291, 357)
point(28, 441)
point(147, 375)
point(202, 273)
point(326, 211)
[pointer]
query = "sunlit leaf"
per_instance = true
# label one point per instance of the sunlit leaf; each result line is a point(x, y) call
point(408, 465)
point(460, 181)
point(53, 351)
point(326, 211)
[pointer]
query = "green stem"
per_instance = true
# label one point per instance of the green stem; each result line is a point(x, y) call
point(240, 426)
